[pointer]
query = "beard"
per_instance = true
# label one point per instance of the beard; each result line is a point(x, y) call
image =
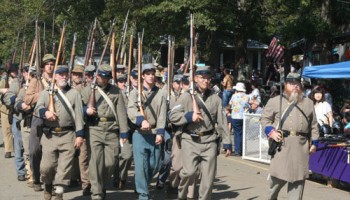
point(62, 84)
point(294, 96)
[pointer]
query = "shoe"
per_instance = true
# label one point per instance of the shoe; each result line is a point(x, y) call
point(37, 187)
point(8, 155)
point(21, 178)
point(59, 197)
point(171, 190)
point(159, 185)
point(87, 191)
point(122, 185)
point(48, 192)
point(30, 184)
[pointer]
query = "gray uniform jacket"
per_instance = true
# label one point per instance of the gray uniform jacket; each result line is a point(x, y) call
point(292, 162)
point(104, 111)
point(65, 118)
point(181, 115)
point(155, 110)
point(9, 98)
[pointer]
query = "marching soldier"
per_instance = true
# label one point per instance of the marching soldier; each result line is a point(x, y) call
point(8, 99)
point(89, 75)
point(27, 112)
point(82, 160)
point(63, 132)
point(179, 87)
point(291, 164)
point(148, 137)
point(125, 156)
point(199, 138)
point(36, 85)
point(6, 80)
point(107, 122)
point(77, 77)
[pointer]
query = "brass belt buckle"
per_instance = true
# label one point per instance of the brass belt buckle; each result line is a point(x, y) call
point(58, 129)
point(103, 119)
point(293, 133)
point(200, 133)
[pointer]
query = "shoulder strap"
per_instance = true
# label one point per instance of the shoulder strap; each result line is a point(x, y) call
point(201, 104)
point(148, 103)
point(285, 115)
point(67, 104)
point(108, 100)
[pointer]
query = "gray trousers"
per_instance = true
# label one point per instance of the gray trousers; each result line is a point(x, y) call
point(104, 154)
point(197, 156)
point(25, 137)
point(294, 190)
point(176, 166)
point(57, 157)
point(125, 160)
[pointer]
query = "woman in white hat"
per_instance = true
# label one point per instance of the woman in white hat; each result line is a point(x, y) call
point(239, 102)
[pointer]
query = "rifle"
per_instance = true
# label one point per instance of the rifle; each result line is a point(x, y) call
point(111, 58)
point(130, 65)
point(88, 53)
point(30, 63)
point(139, 78)
point(14, 53)
point(37, 48)
point(31, 51)
point(122, 37)
point(170, 70)
point(53, 32)
point(192, 70)
point(51, 105)
point(44, 38)
point(21, 62)
point(92, 99)
point(72, 56)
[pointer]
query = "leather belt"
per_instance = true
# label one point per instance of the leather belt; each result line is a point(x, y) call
point(202, 133)
point(105, 119)
point(292, 133)
point(61, 129)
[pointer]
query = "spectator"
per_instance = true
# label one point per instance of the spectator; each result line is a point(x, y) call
point(255, 94)
point(255, 107)
point(227, 84)
point(323, 110)
point(239, 103)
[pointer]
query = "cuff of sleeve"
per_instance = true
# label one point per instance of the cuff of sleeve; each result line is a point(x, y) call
point(42, 113)
point(139, 120)
point(227, 146)
point(80, 133)
point(315, 142)
point(160, 131)
point(84, 110)
point(13, 100)
point(188, 116)
point(268, 130)
point(123, 135)
point(19, 105)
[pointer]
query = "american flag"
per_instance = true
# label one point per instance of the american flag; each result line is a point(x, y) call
point(275, 51)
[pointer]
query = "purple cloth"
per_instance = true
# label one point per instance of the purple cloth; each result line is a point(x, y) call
point(331, 162)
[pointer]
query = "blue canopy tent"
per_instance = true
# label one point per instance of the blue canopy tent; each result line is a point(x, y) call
point(330, 71)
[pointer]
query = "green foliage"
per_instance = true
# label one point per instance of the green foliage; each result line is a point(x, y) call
point(219, 22)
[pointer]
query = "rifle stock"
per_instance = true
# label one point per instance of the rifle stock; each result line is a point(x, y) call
point(51, 105)
point(112, 60)
point(139, 79)
point(192, 70)
point(130, 64)
point(72, 57)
